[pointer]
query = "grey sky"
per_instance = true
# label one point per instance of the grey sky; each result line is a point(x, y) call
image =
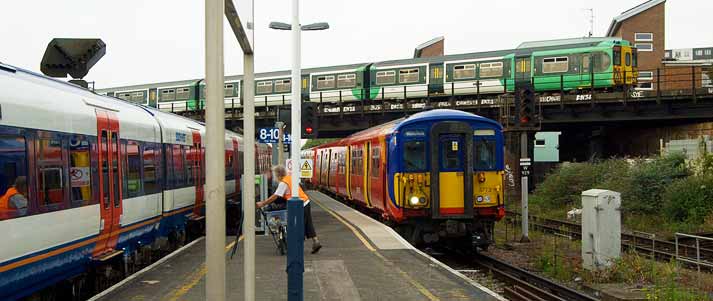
point(162, 40)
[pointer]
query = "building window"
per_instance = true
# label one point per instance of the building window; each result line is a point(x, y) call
point(283, 86)
point(325, 82)
point(555, 64)
point(408, 76)
point(644, 46)
point(264, 87)
point(465, 71)
point(645, 86)
point(346, 80)
point(644, 37)
point(494, 69)
point(646, 75)
point(385, 77)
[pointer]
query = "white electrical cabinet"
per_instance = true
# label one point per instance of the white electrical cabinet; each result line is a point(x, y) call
point(601, 228)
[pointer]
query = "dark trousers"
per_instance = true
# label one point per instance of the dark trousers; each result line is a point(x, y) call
point(281, 204)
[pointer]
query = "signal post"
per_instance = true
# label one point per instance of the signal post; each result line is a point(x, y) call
point(526, 122)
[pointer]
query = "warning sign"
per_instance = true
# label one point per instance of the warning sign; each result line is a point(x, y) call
point(306, 169)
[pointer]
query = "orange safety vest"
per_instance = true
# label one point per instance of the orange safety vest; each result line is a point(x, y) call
point(288, 180)
point(5, 199)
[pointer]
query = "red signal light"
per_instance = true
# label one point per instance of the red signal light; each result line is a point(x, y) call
point(524, 120)
point(309, 130)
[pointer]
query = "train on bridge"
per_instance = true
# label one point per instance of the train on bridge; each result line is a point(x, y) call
point(92, 186)
point(436, 176)
point(559, 65)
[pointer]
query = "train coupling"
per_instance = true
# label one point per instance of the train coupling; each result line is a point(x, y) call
point(479, 240)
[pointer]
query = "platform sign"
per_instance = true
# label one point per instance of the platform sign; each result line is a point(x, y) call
point(269, 135)
point(305, 167)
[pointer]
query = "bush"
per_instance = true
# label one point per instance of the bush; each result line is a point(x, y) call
point(642, 190)
point(689, 200)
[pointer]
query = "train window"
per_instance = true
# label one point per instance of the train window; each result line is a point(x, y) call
point(228, 90)
point(385, 77)
point(229, 171)
point(115, 165)
point(283, 86)
point(346, 80)
point(484, 155)
point(138, 97)
point(150, 158)
point(494, 69)
point(105, 167)
point(408, 76)
point(375, 162)
point(80, 171)
point(124, 96)
point(51, 171)
point(464, 71)
point(555, 64)
point(264, 87)
point(634, 58)
point(13, 161)
point(167, 95)
point(450, 159)
point(586, 60)
point(179, 173)
point(601, 61)
point(183, 93)
point(414, 156)
point(189, 162)
point(627, 59)
point(325, 82)
point(133, 170)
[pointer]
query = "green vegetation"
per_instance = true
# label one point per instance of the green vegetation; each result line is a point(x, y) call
point(316, 142)
point(663, 194)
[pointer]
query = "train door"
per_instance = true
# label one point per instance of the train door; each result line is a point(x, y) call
point(197, 163)
point(585, 71)
point(435, 74)
point(452, 172)
point(109, 180)
point(523, 69)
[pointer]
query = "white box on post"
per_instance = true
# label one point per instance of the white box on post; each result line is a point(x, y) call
point(601, 228)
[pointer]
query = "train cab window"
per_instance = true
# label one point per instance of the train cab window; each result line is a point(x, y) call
point(150, 163)
point(132, 164)
point(408, 76)
point(464, 71)
point(414, 156)
point(51, 174)
point(346, 80)
point(325, 82)
point(80, 171)
point(634, 58)
point(484, 154)
point(264, 87)
point(616, 56)
point(450, 159)
point(283, 86)
point(494, 69)
point(167, 95)
point(13, 164)
point(385, 77)
point(555, 64)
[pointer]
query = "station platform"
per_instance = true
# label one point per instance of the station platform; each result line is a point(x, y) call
point(362, 259)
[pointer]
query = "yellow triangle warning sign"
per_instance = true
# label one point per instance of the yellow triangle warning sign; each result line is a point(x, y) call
point(305, 166)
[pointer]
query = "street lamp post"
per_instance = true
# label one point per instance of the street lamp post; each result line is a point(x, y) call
point(295, 209)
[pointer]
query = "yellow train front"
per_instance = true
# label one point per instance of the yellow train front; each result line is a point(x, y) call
point(446, 177)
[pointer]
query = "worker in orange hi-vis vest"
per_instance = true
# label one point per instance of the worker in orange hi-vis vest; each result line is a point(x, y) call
point(284, 193)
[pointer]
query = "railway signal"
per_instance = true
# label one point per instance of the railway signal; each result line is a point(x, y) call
point(526, 114)
point(309, 120)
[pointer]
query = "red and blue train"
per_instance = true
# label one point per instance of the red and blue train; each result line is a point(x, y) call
point(108, 182)
point(435, 176)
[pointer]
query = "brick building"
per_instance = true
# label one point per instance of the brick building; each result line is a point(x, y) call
point(433, 47)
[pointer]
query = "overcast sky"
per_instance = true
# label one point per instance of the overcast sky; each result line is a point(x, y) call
point(163, 40)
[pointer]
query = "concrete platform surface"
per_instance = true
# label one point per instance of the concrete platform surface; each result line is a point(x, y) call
point(361, 260)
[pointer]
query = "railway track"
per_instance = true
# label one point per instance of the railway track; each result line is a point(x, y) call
point(508, 280)
point(663, 250)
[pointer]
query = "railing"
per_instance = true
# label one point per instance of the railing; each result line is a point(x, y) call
point(556, 89)
point(698, 260)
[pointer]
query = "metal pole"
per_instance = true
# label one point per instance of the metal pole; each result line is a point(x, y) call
point(523, 154)
point(249, 175)
point(215, 151)
point(295, 210)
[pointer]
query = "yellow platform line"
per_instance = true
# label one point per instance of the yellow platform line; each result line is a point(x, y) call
point(422, 289)
point(196, 277)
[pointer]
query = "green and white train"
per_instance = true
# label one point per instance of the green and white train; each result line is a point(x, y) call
point(558, 65)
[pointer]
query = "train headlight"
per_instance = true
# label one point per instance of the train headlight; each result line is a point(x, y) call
point(414, 200)
point(479, 199)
